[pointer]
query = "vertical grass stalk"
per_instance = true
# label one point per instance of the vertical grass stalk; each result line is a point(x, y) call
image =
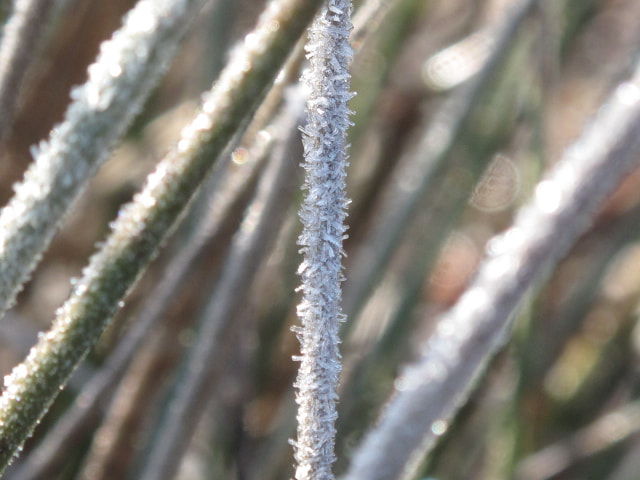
point(322, 213)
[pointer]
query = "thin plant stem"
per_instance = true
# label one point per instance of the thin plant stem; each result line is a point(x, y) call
point(323, 214)
point(128, 67)
point(251, 243)
point(46, 458)
point(613, 428)
point(431, 390)
point(143, 224)
point(420, 165)
point(367, 20)
point(21, 37)
point(608, 240)
point(442, 206)
point(111, 450)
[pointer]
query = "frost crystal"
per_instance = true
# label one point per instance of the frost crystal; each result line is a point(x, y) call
point(323, 214)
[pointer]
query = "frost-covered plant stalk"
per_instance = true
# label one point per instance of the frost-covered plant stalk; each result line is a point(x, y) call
point(322, 214)
point(128, 67)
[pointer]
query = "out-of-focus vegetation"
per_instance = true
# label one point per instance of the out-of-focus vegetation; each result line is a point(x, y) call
point(560, 399)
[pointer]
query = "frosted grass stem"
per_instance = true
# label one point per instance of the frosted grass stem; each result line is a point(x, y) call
point(322, 214)
point(143, 224)
point(127, 68)
point(430, 391)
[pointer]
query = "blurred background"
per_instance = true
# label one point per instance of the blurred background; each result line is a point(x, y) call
point(456, 117)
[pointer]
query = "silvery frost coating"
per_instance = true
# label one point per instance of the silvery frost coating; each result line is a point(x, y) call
point(323, 214)
point(126, 70)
